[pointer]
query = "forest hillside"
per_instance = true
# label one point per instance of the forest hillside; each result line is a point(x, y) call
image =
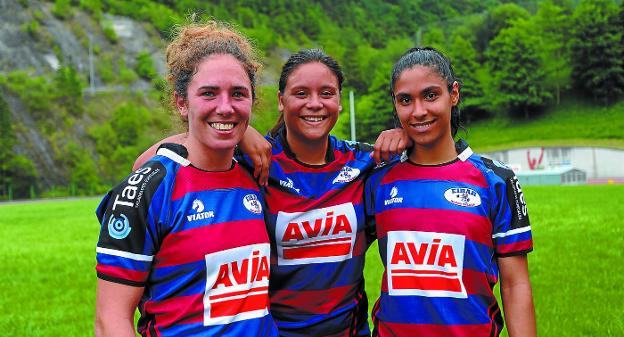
point(82, 89)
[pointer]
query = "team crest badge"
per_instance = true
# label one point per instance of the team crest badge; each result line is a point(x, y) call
point(251, 202)
point(463, 196)
point(347, 174)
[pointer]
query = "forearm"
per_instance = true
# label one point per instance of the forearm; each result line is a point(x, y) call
point(519, 310)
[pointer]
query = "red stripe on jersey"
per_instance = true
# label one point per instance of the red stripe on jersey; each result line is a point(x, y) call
point(122, 273)
point(277, 199)
point(177, 310)
point(239, 305)
point(325, 250)
point(519, 246)
point(317, 242)
point(360, 246)
point(305, 302)
point(475, 282)
point(475, 227)
point(460, 171)
point(426, 282)
point(289, 165)
point(191, 179)
point(236, 293)
point(432, 330)
point(193, 244)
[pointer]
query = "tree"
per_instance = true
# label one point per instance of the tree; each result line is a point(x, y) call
point(555, 25)
point(597, 51)
point(68, 89)
point(464, 59)
point(517, 67)
point(496, 20)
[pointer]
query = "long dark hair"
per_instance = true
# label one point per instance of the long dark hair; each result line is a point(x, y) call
point(297, 59)
point(434, 59)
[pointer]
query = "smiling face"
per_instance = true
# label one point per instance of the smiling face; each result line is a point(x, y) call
point(310, 103)
point(423, 104)
point(217, 106)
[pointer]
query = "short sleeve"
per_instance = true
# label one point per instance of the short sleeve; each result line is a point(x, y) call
point(511, 233)
point(128, 235)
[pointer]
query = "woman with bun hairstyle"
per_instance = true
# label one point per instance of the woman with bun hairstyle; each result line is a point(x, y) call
point(183, 237)
point(450, 223)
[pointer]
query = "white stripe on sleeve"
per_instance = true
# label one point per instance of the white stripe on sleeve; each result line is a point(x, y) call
point(132, 256)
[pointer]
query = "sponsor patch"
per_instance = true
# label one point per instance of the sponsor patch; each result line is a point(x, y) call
point(425, 264)
point(237, 284)
point(252, 204)
point(118, 227)
point(317, 236)
point(346, 175)
point(199, 213)
point(394, 199)
point(463, 196)
point(288, 183)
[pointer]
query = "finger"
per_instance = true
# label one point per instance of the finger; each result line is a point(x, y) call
point(385, 145)
point(392, 148)
point(264, 175)
point(377, 149)
point(257, 163)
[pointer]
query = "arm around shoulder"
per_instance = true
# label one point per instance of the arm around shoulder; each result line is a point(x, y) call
point(149, 153)
point(114, 309)
point(517, 296)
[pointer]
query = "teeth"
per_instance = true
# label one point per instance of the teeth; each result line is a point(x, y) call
point(422, 126)
point(222, 126)
point(313, 119)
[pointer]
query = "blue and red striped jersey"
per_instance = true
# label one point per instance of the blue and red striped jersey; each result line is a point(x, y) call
point(196, 241)
point(440, 230)
point(315, 216)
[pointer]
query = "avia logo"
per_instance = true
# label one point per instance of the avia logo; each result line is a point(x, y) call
point(393, 197)
point(252, 203)
point(463, 196)
point(289, 184)
point(198, 207)
point(346, 175)
point(316, 236)
point(118, 228)
point(237, 284)
point(425, 264)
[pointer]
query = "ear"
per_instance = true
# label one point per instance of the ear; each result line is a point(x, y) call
point(280, 104)
point(455, 94)
point(180, 103)
point(340, 108)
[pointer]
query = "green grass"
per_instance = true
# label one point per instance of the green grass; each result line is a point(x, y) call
point(576, 267)
point(47, 263)
point(570, 124)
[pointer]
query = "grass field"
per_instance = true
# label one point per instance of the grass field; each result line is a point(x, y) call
point(47, 259)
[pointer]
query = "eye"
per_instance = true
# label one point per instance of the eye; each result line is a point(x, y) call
point(209, 93)
point(300, 93)
point(430, 96)
point(239, 94)
point(404, 99)
point(327, 93)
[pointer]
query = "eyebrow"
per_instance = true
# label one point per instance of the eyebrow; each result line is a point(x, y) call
point(214, 87)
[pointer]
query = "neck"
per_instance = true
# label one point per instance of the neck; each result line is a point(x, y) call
point(433, 154)
point(208, 159)
point(308, 151)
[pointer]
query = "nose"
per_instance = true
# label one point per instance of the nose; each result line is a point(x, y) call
point(314, 102)
point(224, 105)
point(419, 110)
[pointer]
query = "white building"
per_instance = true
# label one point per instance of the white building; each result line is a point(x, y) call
point(599, 164)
